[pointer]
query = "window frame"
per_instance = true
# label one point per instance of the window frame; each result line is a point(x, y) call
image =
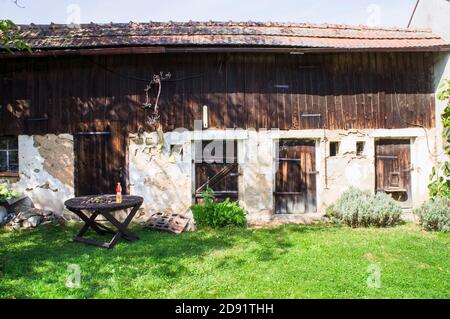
point(334, 145)
point(8, 172)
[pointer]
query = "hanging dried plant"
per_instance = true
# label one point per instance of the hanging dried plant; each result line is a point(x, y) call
point(154, 117)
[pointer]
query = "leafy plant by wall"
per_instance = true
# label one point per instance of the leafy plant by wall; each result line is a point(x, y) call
point(357, 208)
point(435, 214)
point(9, 39)
point(440, 175)
point(218, 215)
point(6, 193)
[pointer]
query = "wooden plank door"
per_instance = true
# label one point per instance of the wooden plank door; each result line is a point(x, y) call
point(223, 177)
point(295, 181)
point(101, 160)
point(393, 169)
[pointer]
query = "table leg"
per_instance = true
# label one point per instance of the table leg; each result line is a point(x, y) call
point(89, 222)
point(122, 231)
point(122, 227)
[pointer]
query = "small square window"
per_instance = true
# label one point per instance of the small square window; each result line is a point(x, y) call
point(9, 154)
point(360, 148)
point(176, 152)
point(334, 149)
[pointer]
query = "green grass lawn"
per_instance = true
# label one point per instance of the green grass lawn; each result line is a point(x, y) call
point(287, 262)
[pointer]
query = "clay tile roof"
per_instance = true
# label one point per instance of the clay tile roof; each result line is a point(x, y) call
point(228, 34)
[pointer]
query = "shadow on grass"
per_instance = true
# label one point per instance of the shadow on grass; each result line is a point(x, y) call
point(26, 255)
point(41, 256)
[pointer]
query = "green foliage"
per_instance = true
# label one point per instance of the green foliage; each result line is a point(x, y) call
point(358, 208)
point(440, 184)
point(6, 193)
point(435, 214)
point(9, 39)
point(217, 215)
point(208, 195)
point(440, 177)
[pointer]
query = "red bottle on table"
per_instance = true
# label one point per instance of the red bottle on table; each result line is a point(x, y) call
point(118, 193)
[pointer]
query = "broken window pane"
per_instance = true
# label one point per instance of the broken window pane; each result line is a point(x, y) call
point(334, 148)
point(13, 143)
point(3, 143)
point(9, 155)
point(3, 161)
point(359, 148)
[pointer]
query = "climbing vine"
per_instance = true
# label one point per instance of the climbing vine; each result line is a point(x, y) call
point(440, 176)
point(9, 39)
point(154, 117)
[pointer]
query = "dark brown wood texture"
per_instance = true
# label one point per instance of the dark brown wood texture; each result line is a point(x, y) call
point(393, 169)
point(101, 160)
point(248, 90)
point(220, 171)
point(104, 205)
point(295, 181)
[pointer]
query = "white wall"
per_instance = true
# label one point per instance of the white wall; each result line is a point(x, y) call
point(167, 182)
point(46, 165)
point(435, 14)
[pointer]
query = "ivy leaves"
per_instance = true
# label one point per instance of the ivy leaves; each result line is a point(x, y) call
point(9, 38)
point(440, 178)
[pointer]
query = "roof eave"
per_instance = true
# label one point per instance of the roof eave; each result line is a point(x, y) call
point(120, 50)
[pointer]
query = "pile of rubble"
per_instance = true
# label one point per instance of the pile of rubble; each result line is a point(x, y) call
point(21, 214)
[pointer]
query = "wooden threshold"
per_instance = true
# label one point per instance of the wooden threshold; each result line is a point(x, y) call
point(9, 174)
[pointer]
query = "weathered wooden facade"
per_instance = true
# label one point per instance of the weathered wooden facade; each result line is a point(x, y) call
point(244, 90)
point(312, 111)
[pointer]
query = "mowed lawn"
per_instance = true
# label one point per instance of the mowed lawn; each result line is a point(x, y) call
point(320, 261)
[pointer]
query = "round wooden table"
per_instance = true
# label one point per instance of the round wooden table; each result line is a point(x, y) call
point(104, 205)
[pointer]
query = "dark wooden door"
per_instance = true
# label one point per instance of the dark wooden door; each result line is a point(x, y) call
point(295, 182)
point(393, 169)
point(220, 171)
point(101, 160)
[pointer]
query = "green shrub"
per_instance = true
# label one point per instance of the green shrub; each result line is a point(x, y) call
point(440, 176)
point(435, 214)
point(6, 193)
point(358, 208)
point(217, 215)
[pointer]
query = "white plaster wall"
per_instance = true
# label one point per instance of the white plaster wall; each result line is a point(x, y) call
point(435, 14)
point(162, 178)
point(46, 190)
point(348, 169)
point(166, 182)
point(165, 179)
point(257, 167)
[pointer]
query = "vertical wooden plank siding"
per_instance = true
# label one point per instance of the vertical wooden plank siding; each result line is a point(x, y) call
point(349, 90)
point(393, 169)
point(295, 180)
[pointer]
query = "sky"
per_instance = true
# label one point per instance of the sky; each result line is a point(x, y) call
point(367, 12)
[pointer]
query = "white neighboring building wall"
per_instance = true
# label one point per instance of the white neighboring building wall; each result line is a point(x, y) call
point(435, 15)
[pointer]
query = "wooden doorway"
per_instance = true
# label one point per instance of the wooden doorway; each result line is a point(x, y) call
point(295, 180)
point(219, 171)
point(101, 160)
point(393, 169)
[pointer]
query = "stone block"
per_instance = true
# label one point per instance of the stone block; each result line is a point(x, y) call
point(35, 220)
point(3, 214)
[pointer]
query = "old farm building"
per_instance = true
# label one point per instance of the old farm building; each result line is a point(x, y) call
point(282, 117)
